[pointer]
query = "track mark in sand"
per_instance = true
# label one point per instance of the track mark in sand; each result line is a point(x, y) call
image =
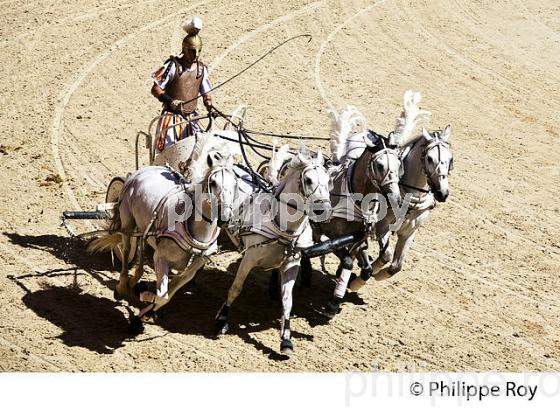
point(286, 17)
point(209, 357)
point(58, 117)
point(507, 230)
point(456, 266)
point(465, 317)
point(24, 262)
point(496, 76)
point(492, 74)
point(87, 14)
point(323, 46)
point(535, 18)
point(28, 354)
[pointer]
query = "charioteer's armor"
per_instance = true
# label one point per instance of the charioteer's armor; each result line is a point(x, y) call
point(177, 84)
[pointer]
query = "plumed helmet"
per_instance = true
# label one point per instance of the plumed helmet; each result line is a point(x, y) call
point(192, 40)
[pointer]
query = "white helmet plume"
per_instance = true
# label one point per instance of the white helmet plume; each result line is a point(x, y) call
point(193, 25)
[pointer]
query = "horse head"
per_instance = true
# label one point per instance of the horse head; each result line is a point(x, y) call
point(384, 167)
point(437, 161)
point(306, 175)
point(212, 168)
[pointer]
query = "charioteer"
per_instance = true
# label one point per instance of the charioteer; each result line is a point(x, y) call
point(178, 84)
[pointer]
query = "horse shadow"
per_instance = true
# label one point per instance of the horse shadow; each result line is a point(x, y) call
point(86, 320)
point(97, 324)
point(193, 310)
point(89, 321)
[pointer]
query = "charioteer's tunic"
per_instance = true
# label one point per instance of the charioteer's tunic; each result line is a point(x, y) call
point(179, 84)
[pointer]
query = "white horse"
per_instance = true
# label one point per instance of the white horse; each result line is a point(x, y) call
point(370, 163)
point(157, 202)
point(272, 235)
point(427, 161)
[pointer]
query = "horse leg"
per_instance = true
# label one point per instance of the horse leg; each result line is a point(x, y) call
point(247, 263)
point(306, 270)
point(366, 270)
point(139, 271)
point(180, 280)
point(288, 276)
point(406, 235)
point(347, 262)
point(383, 234)
point(122, 287)
point(127, 224)
point(162, 255)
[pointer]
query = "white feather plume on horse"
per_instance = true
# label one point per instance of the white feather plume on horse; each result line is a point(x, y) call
point(193, 25)
point(342, 126)
point(409, 118)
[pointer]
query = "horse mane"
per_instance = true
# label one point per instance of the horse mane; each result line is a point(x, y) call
point(342, 126)
point(278, 158)
point(205, 144)
point(409, 118)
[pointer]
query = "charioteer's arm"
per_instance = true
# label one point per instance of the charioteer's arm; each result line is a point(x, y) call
point(160, 94)
point(206, 90)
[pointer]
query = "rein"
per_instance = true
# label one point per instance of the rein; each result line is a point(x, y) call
point(251, 65)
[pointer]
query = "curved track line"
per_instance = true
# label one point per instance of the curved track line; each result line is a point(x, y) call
point(218, 60)
point(323, 46)
point(496, 76)
point(498, 80)
point(71, 88)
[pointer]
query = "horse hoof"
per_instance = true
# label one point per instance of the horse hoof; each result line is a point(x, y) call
point(135, 327)
point(383, 275)
point(356, 284)
point(222, 327)
point(333, 307)
point(286, 347)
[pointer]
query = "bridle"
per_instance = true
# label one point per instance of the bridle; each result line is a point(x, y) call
point(303, 188)
point(438, 170)
point(388, 177)
point(220, 170)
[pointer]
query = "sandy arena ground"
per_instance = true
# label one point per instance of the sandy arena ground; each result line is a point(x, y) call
point(479, 290)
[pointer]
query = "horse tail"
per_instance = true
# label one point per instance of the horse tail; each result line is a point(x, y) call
point(106, 242)
point(111, 239)
point(115, 224)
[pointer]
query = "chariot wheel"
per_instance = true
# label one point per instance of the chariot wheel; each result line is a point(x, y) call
point(113, 191)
